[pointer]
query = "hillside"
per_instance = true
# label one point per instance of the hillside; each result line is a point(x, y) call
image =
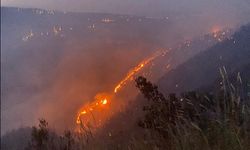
point(46, 54)
point(50, 57)
point(193, 64)
point(203, 69)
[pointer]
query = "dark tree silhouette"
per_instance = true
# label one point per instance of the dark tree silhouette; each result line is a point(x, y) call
point(39, 136)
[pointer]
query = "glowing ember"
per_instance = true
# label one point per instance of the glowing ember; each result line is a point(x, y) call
point(220, 35)
point(83, 112)
point(104, 102)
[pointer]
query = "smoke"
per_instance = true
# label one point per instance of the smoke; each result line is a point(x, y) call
point(54, 82)
point(55, 79)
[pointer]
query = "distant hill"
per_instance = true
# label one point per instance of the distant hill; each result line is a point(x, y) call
point(203, 69)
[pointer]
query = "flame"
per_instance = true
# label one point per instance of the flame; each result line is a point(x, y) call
point(101, 100)
point(104, 102)
point(137, 69)
point(83, 112)
point(91, 107)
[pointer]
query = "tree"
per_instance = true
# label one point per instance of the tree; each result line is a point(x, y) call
point(39, 136)
point(161, 113)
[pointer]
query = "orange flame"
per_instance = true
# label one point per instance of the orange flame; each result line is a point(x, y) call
point(91, 107)
point(103, 100)
point(137, 69)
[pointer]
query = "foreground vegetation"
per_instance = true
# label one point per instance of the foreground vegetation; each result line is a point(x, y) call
point(197, 120)
point(190, 121)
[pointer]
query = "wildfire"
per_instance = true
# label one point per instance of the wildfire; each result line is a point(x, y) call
point(101, 100)
point(91, 107)
point(104, 102)
point(131, 74)
point(220, 34)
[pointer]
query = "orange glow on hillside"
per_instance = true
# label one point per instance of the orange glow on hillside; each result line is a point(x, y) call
point(102, 101)
point(91, 107)
point(215, 29)
point(131, 74)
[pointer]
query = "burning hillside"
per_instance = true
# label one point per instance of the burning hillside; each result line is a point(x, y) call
point(74, 66)
point(95, 113)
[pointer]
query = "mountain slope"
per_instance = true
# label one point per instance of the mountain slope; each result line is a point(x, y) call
point(203, 69)
point(49, 58)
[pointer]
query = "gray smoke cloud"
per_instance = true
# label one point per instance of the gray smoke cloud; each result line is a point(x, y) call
point(84, 70)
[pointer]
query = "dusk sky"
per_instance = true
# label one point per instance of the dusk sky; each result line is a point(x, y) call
point(140, 7)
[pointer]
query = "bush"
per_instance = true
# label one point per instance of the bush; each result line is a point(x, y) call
point(196, 120)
